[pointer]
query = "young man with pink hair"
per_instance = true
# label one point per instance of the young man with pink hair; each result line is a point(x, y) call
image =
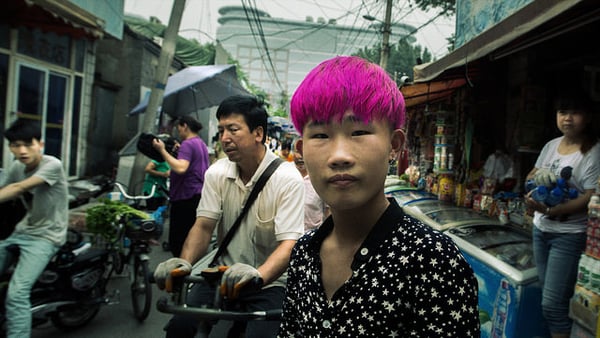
point(369, 270)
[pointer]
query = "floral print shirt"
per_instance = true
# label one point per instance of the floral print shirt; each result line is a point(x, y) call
point(408, 280)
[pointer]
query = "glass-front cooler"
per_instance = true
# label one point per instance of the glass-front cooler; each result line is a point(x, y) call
point(509, 292)
point(442, 216)
point(407, 196)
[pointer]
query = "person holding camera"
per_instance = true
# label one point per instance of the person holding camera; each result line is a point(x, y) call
point(186, 179)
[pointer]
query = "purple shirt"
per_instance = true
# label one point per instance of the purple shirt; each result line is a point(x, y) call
point(186, 185)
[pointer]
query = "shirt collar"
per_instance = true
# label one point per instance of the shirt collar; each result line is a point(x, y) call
point(233, 171)
point(384, 226)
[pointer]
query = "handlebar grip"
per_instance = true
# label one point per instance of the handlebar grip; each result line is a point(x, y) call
point(176, 279)
point(179, 272)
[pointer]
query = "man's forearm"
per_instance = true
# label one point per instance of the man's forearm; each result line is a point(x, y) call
point(196, 244)
point(277, 262)
point(11, 192)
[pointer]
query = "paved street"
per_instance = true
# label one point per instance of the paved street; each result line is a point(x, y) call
point(116, 321)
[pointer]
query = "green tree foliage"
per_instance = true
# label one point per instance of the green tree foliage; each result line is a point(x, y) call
point(191, 52)
point(446, 6)
point(403, 57)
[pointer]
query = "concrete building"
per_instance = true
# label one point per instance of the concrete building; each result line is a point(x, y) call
point(276, 54)
point(47, 66)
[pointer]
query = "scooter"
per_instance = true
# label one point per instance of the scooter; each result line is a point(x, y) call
point(70, 291)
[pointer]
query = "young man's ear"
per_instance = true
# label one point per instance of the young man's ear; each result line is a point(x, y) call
point(299, 146)
point(398, 139)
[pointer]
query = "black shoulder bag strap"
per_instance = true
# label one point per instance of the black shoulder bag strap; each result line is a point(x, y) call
point(262, 180)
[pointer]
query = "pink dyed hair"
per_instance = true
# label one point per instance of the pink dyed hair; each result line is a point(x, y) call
point(347, 82)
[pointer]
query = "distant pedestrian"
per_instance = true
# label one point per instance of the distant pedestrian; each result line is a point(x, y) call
point(186, 179)
point(315, 210)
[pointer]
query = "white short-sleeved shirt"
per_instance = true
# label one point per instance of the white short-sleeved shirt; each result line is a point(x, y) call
point(586, 170)
point(276, 215)
point(47, 204)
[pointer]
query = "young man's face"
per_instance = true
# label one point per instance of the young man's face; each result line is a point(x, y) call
point(237, 141)
point(347, 162)
point(27, 152)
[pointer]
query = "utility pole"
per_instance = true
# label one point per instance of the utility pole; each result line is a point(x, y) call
point(387, 30)
point(161, 75)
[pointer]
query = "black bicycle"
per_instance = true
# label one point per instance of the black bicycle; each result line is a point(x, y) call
point(130, 249)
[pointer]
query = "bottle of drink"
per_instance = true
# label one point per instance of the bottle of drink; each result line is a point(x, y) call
point(573, 193)
point(583, 271)
point(501, 310)
point(561, 183)
point(594, 207)
point(554, 197)
point(540, 194)
point(529, 185)
point(594, 275)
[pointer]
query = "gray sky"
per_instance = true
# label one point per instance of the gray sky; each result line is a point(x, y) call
point(199, 19)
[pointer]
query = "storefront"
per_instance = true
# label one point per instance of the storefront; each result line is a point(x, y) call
point(47, 57)
point(495, 93)
point(487, 107)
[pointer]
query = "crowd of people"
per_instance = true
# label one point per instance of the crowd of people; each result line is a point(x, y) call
point(322, 238)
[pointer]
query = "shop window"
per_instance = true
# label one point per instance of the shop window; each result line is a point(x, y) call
point(46, 46)
point(4, 36)
point(41, 96)
point(3, 89)
point(75, 126)
point(79, 54)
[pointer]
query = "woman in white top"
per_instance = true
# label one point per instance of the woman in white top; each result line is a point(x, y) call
point(559, 233)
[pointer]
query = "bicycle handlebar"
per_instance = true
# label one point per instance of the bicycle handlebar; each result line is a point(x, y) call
point(177, 303)
point(208, 314)
point(139, 197)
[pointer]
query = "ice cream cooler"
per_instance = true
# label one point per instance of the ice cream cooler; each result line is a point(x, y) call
point(405, 196)
point(442, 215)
point(509, 292)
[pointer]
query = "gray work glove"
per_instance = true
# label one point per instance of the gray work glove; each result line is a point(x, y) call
point(164, 270)
point(544, 177)
point(236, 277)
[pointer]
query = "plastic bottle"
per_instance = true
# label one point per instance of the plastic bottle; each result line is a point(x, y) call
point(583, 271)
point(594, 275)
point(540, 194)
point(529, 185)
point(501, 309)
point(594, 207)
point(561, 183)
point(572, 193)
point(555, 196)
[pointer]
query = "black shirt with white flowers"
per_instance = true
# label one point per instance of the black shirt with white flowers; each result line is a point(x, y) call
point(408, 280)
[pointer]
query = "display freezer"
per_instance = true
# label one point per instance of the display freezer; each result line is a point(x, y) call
point(406, 196)
point(509, 292)
point(442, 216)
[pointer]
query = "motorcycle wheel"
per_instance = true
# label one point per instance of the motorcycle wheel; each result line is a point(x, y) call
point(74, 316)
point(141, 290)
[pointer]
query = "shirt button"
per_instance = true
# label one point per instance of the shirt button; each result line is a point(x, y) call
point(326, 324)
point(364, 251)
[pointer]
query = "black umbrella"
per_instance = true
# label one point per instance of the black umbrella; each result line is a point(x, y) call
point(195, 88)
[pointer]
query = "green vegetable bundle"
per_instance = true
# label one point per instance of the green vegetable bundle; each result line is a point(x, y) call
point(103, 219)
